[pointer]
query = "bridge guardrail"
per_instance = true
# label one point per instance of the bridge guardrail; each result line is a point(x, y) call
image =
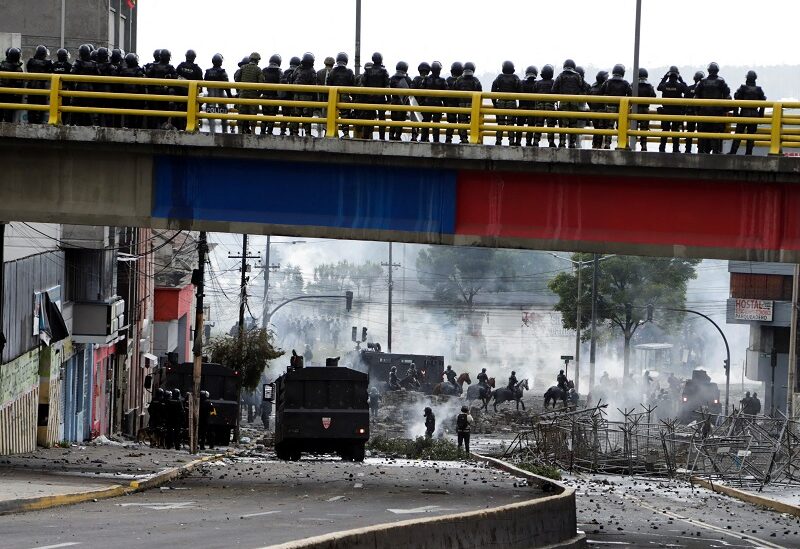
point(477, 115)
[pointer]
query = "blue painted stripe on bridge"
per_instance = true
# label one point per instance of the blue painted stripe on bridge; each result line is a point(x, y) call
point(305, 194)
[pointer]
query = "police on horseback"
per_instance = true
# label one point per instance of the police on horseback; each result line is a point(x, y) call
point(450, 374)
point(561, 380)
point(512, 381)
point(394, 384)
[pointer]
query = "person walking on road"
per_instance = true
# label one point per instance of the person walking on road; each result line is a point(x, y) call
point(464, 423)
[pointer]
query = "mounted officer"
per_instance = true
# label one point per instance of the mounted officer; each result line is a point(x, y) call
point(512, 381)
point(561, 379)
point(450, 374)
point(394, 383)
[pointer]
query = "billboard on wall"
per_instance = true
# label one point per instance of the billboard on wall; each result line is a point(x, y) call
point(754, 309)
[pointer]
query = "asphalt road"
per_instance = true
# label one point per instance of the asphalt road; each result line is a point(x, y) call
point(255, 502)
point(620, 512)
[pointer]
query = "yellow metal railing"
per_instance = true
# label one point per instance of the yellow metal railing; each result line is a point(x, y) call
point(338, 108)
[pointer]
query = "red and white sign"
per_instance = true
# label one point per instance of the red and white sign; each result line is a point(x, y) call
point(326, 422)
point(753, 309)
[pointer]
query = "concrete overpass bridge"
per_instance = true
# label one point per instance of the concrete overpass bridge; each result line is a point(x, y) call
point(560, 199)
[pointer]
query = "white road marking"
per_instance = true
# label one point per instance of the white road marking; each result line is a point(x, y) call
point(417, 510)
point(595, 542)
point(335, 498)
point(160, 506)
point(56, 546)
point(699, 523)
point(260, 514)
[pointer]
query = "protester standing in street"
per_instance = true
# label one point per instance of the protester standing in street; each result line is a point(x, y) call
point(464, 423)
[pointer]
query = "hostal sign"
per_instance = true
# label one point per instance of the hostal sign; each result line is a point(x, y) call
point(754, 309)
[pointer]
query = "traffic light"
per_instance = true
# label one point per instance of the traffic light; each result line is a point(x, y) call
point(348, 295)
point(355, 334)
point(649, 312)
point(363, 334)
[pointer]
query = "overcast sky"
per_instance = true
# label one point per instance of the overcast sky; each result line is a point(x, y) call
point(593, 32)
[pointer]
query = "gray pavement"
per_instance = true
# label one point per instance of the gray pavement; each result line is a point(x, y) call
point(256, 501)
point(637, 512)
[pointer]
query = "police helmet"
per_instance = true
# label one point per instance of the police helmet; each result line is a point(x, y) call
point(699, 75)
point(483, 370)
point(63, 55)
point(275, 60)
point(469, 68)
point(157, 55)
point(117, 55)
point(602, 76)
point(243, 62)
point(91, 47)
point(513, 373)
point(165, 56)
point(342, 58)
point(93, 55)
point(255, 57)
point(436, 68)
point(132, 60)
point(377, 58)
point(548, 71)
point(84, 52)
point(508, 67)
point(160, 392)
point(330, 61)
point(217, 60)
point(203, 395)
point(424, 67)
point(561, 371)
point(643, 72)
point(618, 70)
point(176, 393)
point(190, 56)
point(402, 66)
point(569, 64)
point(393, 369)
point(464, 409)
point(368, 65)
point(580, 71)
point(457, 68)
point(531, 72)
point(102, 55)
point(674, 70)
point(751, 76)
point(308, 60)
point(713, 68)
point(428, 410)
point(294, 61)
point(41, 52)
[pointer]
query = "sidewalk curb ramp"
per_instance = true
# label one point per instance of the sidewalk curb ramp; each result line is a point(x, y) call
point(157, 479)
point(545, 523)
point(749, 497)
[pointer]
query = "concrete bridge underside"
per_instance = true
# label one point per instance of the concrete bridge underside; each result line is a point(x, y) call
point(624, 202)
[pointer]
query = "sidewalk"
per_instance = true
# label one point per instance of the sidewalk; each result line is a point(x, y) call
point(781, 498)
point(61, 476)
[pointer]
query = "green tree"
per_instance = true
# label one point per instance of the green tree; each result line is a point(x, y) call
point(626, 285)
point(293, 281)
point(368, 273)
point(249, 354)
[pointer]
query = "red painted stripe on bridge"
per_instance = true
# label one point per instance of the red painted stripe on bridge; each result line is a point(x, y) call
point(633, 210)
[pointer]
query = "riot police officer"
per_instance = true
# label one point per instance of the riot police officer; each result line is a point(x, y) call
point(187, 70)
point(272, 75)
point(62, 65)
point(466, 83)
point(155, 414)
point(38, 64)
point(164, 70)
point(512, 381)
point(712, 87)
point(434, 81)
point(394, 383)
point(418, 83)
point(217, 74)
point(616, 86)
point(569, 82)
point(692, 126)
point(450, 374)
point(399, 80)
point(456, 71)
point(672, 86)
point(528, 85)
point(645, 90)
point(598, 123)
point(748, 91)
point(84, 66)
point(250, 73)
point(374, 402)
point(561, 380)
point(105, 68)
point(375, 76)
point(202, 421)
point(117, 59)
point(341, 76)
point(506, 82)
point(131, 69)
point(175, 420)
point(287, 78)
point(545, 86)
point(304, 75)
point(483, 382)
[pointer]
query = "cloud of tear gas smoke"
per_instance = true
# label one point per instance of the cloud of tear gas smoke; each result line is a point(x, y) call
point(445, 411)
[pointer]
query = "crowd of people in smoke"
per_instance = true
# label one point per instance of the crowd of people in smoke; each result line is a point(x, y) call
point(301, 71)
point(311, 331)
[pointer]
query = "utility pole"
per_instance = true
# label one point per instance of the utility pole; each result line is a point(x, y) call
point(267, 268)
point(593, 337)
point(578, 314)
point(635, 76)
point(391, 267)
point(198, 277)
point(792, 366)
point(358, 37)
point(242, 306)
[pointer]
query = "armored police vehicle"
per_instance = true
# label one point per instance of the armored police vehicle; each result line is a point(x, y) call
point(222, 384)
point(430, 368)
point(699, 394)
point(321, 410)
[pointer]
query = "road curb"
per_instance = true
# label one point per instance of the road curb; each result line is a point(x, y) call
point(23, 505)
point(748, 497)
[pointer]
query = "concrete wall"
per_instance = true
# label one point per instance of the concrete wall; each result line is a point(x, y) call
point(19, 402)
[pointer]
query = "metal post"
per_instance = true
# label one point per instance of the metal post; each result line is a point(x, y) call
point(265, 317)
point(197, 348)
point(358, 37)
point(63, 19)
point(578, 331)
point(593, 338)
point(243, 289)
point(2, 285)
point(635, 75)
point(792, 367)
point(389, 331)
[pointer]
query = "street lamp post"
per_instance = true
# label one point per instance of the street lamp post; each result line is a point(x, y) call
point(358, 37)
point(635, 75)
point(267, 267)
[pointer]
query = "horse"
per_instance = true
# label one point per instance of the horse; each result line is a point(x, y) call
point(556, 393)
point(476, 392)
point(504, 394)
point(447, 388)
point(409, 383)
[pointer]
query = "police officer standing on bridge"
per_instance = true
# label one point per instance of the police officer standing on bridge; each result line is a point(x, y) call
point(712, 87)
point(749, 92)
point(672, 86)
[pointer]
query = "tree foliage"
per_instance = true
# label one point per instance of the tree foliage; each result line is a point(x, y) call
point(249, 354)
